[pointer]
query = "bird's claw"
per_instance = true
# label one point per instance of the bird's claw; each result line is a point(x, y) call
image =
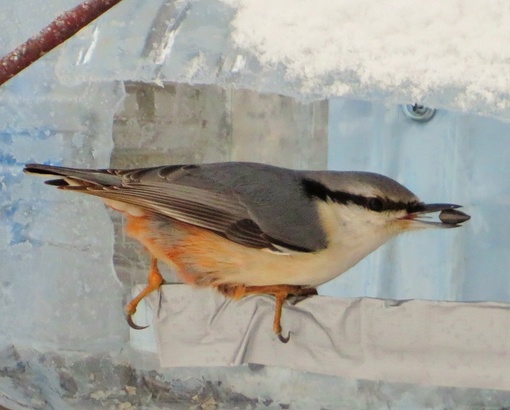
point(282, 338)
point(154, 281)
point(132, 324)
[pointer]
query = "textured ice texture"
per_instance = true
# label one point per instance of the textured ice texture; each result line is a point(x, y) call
point(57, 284)
point(449, 56)
point(64, 380)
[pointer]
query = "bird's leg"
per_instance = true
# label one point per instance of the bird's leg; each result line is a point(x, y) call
point(281, 293)
point(277, 326)
point(155, 280)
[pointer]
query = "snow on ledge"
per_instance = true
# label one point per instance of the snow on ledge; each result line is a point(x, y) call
point(453, 54)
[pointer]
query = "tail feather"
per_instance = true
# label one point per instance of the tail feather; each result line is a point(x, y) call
point(74, 176)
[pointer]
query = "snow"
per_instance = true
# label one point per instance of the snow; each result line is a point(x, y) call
point(417, 48)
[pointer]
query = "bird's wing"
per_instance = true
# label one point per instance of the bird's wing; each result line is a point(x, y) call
point(218, 212)
point(245, 203)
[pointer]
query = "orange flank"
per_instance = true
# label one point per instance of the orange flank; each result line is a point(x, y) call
point(201, 258)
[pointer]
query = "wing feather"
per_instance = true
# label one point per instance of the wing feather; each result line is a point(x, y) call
point(244, 202)
point(220, 213)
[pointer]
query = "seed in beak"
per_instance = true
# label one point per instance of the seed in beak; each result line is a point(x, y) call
point(453, 217)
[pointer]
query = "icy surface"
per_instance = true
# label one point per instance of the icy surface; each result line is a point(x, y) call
point(74, 380)
point(57, 285)
point(454, 158)
point(451, 56)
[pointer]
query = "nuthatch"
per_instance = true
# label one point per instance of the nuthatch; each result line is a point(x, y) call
point(248, 228)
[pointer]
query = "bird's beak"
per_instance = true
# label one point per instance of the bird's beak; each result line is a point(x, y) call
point(449, 216)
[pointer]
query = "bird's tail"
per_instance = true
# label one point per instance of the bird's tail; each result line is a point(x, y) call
point(67, 178)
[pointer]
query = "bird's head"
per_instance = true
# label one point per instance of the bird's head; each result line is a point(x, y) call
point(363, 206)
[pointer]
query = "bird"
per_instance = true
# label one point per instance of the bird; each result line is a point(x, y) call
point(246, 228)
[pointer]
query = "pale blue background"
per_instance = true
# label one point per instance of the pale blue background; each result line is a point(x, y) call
point(457, 158)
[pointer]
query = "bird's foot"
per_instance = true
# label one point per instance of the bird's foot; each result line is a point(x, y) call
point(282, 338)
point(155, 280)
point(131, 323)
point(281, 293)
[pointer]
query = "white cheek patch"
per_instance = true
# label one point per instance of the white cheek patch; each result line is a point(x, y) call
point(333, 215)
point(132, 210)
point(350, 223)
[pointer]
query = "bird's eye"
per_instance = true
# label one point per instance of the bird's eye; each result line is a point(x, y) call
point(375, 204)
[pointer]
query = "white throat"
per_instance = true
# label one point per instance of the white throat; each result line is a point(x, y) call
point(353, 232)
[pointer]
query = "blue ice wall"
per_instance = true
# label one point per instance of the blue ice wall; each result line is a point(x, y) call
point(456, 158)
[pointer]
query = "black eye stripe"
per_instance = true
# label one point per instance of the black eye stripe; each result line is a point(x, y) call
point(415, 207)
point(314, 189)
point(375, 204)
